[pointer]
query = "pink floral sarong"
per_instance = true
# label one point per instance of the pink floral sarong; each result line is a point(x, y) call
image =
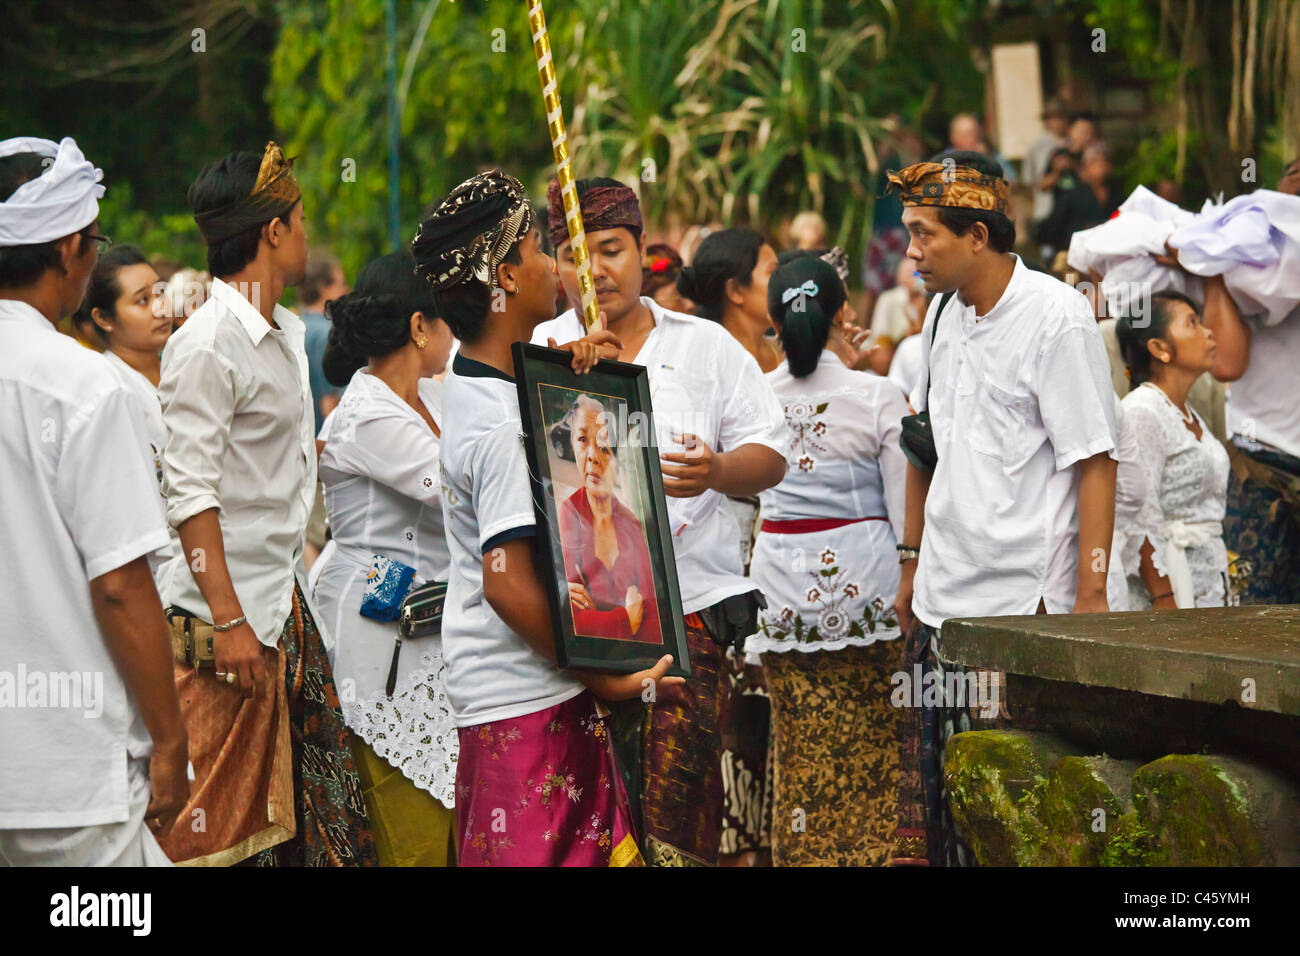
point(543, 790)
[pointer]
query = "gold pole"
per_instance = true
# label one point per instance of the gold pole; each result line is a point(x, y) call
point(563, 167)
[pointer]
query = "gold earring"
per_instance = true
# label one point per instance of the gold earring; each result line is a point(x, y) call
point(421, 342)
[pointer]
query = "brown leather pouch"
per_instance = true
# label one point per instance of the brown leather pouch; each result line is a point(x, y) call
point(191, 639)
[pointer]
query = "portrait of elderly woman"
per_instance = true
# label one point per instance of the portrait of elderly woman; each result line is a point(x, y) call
point(606, 559)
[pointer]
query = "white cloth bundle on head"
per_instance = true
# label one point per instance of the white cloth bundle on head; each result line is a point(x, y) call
point(1253, 241)
point(61, 201)
point(1121, 251)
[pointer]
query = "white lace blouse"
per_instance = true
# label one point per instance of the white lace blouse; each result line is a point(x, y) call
point(383, 496)
point(833, 588)
point(1186, 484)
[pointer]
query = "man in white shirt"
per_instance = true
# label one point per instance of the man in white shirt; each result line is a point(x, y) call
point(240, 472)
point(93, 748)
point(1018, 514)
point(1262, 363)
point(721, 431)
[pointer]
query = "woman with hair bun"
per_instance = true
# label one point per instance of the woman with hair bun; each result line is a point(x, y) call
point(826, 559)
point(727, 282)
point(379, 465)
point(1173, 553)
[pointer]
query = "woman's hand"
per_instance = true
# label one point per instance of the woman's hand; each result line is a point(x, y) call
point(689, 473)
point(635, 607)
point(643, 684)
point(580, 598)
point(1170, 259)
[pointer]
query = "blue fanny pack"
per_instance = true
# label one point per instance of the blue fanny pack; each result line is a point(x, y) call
point(387, 585)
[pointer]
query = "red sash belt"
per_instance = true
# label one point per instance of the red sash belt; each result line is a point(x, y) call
point(807, 525)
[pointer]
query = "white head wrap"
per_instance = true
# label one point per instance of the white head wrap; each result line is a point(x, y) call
point(64, 200)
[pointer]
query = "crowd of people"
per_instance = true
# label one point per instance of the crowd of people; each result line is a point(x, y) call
point(220, 519)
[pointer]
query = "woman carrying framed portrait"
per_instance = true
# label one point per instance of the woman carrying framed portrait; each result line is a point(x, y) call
point(826, 559)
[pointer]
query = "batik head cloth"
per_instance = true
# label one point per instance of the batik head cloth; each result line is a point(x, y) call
point(62, 200)
point(948, 184)
point(273, 191)
point(468, 235)
point(603, 207)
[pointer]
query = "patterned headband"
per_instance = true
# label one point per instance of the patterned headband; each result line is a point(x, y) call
point(947, 184)
point(274, 190)
point(468, 236)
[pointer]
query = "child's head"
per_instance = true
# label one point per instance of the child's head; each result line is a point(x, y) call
point(480, 250)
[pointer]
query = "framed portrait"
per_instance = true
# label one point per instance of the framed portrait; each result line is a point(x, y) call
point(607, 553)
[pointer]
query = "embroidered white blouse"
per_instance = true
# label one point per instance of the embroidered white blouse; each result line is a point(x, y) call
point(834, 588)
point(383, 496)
point(1186, 490)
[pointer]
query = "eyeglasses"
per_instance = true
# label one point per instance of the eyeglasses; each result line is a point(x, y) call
point(103, 240)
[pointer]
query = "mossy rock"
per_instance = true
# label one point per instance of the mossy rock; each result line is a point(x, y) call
point(1210, 810)
point(989, 774)
point(1077, 807)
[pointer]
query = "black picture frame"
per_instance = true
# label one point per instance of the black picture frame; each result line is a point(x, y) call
point(546, 385)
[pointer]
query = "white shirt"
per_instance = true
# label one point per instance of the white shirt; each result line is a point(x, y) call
point(1263, 403)
point(906, 368)
point(1017, 397)
point(702, 382)
point(156, 432)
point(892, 317)
point(845, 462)
point(492, 673)
point(383, 495)
point(78, 502)
point(238, 410)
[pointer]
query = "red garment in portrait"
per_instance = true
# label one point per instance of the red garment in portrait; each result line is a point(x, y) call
point(608, 586)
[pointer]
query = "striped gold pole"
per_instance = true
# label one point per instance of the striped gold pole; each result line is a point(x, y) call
point(563, 167)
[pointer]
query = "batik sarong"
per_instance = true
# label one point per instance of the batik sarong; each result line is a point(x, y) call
point(543, 790)
point(838, 738)
point(746, 762)
point(332, 828)
point(679, 760)
point(926, 834)
point(1262, 524)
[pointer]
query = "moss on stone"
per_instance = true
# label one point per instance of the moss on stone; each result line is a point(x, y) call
point(1194, 814)
point(1065, 805)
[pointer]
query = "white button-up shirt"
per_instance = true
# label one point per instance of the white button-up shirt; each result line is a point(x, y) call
point(77, 502)
point(704, 383)
point(238, 410)
point(1017, 397)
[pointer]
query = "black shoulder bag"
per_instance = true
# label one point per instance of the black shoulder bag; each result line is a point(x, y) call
point(917, 438)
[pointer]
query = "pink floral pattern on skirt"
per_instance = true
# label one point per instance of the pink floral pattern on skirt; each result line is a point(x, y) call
point(542, 790)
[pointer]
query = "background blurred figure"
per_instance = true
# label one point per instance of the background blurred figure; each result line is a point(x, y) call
point(966, 132)
point(899, 313)
point(728, 284)
point(1039, 157)
point(659, 277)
point(186, 291)
point(1090, 203)
point(808, 230)
point(323, 281)
point(1290, 181)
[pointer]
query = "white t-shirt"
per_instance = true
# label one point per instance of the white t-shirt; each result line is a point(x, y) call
point(78, 502)
point(1264, 404)
point(1017, 397)
point(702, 382)
point(156, 431)
point(492, 673)
point(906, 369)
